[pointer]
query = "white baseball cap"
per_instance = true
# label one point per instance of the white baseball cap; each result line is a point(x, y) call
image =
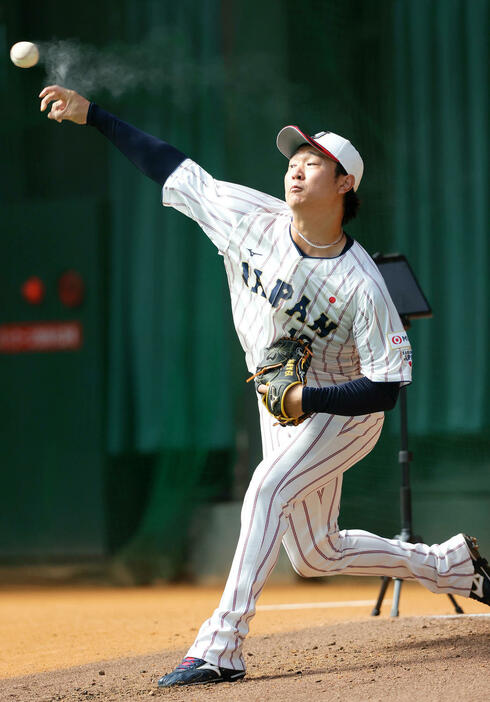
point(290, 138)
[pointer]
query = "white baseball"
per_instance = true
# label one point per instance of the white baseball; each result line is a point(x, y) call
point(24, 54)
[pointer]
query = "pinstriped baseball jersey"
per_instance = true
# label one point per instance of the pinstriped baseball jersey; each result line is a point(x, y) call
point(343, 307)
point(340, 304)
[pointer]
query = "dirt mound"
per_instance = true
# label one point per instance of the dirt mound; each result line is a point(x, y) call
point(411, 659)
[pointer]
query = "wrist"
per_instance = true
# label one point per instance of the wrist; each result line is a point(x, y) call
point(316, 399)
point(91, 114)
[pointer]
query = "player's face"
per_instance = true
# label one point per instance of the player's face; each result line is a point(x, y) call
point(310, 180)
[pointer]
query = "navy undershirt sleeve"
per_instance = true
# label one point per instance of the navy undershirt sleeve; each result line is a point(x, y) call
point(155, 158)
point(351, 399)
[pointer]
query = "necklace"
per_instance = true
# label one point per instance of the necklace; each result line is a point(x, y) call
point(318, 246)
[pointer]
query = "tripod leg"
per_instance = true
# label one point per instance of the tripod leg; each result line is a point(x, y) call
point(384, 586)
point(457, 608)
point(396, 597)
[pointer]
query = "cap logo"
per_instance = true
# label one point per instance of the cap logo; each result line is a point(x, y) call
point(319, 134)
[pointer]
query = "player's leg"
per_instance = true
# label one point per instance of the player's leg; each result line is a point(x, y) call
point(194, 668)
point(316, 547)
point(307, 456)
point(440, 568)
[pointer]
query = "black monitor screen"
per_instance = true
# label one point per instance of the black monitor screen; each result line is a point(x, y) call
point(404, 289)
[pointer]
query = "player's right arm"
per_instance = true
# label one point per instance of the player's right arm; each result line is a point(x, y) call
point(153, 157)
point(215, 205)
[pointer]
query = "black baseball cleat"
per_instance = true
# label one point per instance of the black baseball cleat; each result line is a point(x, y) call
point(196, 671)
point(480, 587)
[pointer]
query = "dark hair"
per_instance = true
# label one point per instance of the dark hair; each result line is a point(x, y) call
point(351, 201)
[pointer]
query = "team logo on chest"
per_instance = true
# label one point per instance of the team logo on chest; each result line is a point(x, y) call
point(284, 291)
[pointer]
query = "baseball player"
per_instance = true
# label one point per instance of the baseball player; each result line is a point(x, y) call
point(293, 271)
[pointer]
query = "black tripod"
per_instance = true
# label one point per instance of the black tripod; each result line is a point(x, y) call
point(404, 458)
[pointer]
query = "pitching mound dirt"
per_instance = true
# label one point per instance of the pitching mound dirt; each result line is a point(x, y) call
point(413, 659)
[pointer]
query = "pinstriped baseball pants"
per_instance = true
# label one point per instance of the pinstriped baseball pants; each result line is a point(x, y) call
point(294, 498)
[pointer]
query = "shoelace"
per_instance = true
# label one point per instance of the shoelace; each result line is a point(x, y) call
point(187, 662)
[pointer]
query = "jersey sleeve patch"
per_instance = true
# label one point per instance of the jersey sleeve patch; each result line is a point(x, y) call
point(398, 340)
point(381, 341)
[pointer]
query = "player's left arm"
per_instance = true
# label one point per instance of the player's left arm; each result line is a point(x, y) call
point(384, 356)
point(351, 399)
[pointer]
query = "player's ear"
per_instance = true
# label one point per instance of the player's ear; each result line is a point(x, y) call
point(346, 184)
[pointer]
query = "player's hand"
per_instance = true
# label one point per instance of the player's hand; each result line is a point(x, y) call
point(293, 401)
point(67, 104)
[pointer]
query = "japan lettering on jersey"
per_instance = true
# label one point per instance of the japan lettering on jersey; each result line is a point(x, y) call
point(340, 305)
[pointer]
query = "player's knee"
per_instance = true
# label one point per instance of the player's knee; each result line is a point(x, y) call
point(320, 558)
point(304, 566)
point(333, 543)
point(302, 570)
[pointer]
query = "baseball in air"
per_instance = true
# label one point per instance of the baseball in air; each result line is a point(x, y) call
point(24, 54)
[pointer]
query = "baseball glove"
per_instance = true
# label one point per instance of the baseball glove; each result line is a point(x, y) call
point(283, 365)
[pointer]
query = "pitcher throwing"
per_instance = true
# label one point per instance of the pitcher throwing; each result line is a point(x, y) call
point(294, 272)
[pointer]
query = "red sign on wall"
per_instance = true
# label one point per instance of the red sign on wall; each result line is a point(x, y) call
point(40, 336)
